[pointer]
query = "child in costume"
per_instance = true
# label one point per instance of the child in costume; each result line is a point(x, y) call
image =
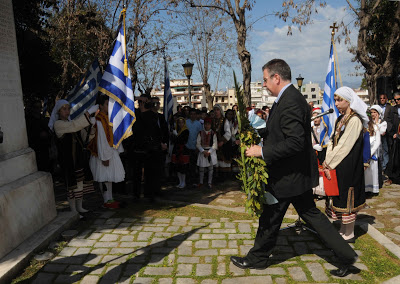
point(105, 163)
point(207, 145)
point(180, 154)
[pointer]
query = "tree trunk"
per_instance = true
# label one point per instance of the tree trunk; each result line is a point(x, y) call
point(246, 70)
point(209, 97)
point(244, 57)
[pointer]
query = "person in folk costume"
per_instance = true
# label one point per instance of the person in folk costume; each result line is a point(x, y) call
point(180, 154)
point(373, 174)
point(70, 151)
point(345, 154)
point(316, 135)
point(223, 126)
point(207, 145)
point(105, 162)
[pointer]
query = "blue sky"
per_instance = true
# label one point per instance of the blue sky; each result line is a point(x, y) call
point(306, 52)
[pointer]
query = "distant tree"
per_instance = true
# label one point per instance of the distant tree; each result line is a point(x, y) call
point(78, 34)
point(147, 36)
point(210, 41)
point(236, 10)
point(30, 18)
point(378, 41)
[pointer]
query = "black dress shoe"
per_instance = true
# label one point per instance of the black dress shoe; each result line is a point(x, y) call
point(343, 270)
point(340, 272)
point(244, 263)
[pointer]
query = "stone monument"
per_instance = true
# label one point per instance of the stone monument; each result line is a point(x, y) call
point(27, 201)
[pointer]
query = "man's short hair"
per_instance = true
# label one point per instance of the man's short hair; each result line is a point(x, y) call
point(280, 67)
point(383, 95)
point(155, 98)
point(396, 94)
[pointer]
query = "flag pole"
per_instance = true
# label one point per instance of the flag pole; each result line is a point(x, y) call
point(123, 12)
point(334, 27)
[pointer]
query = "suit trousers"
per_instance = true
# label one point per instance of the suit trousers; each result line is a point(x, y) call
point(271, 219)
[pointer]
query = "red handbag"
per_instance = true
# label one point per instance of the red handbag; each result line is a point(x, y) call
point(331, 186)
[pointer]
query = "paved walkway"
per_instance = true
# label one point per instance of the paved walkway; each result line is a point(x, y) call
point(184, 250)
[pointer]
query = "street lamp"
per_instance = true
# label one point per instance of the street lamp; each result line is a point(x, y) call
point(299, 82)
point(188, 67)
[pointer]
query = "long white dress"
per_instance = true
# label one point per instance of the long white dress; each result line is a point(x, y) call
point(115, 171)
point(203, 161)
point(371, 174)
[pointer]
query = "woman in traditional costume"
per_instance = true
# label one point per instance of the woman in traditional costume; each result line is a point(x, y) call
point(207, 146)
point(180, 154)
point(70, 147)
point(223, 127)
point(105, 163)
point(345, 155)
point(375, 128)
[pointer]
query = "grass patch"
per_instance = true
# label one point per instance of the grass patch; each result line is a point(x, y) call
point(160, 210)
point(382, 265)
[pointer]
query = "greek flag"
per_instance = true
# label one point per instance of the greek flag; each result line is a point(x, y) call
point(116, 83)
point(84, 94)
point(168, 101)
point(328, 121)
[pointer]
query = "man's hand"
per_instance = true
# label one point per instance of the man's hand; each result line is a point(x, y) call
point(254, 151)
point(163, 146)
point(220, 144)
point(394, 136)
point(206, 154)
point(106, 163)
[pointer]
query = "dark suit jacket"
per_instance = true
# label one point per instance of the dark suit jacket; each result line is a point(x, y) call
point(392, 119)
point(291, 161)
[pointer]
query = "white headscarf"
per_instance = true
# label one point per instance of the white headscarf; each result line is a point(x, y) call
point(54, 114)
point(220, 108)
point(378, 109)
point(356, 104)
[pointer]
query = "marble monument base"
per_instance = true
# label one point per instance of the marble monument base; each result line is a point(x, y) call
point(26, 202)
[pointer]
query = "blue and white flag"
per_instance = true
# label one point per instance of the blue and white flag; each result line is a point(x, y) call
point(168, 101)
point(328, 101)
point(83, 96)
point(116, 83)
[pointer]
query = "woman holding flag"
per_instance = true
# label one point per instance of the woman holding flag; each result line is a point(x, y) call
point(70, 150)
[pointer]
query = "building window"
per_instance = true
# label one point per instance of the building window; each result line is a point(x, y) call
point(306, 96)
point(222, 99)
point(314, 96)
point(303, 89)
point(312, 89)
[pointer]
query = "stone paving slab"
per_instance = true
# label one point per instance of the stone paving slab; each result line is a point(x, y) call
point(175, 256)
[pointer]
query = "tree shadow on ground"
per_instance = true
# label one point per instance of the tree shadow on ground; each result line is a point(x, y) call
point(153, 254)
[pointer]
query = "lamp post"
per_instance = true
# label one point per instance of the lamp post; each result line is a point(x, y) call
point(188, 67)
point(299, 82)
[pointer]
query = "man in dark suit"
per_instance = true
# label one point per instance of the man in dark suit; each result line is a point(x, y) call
point(393, 121)
point(292, 168)
point(386, 139)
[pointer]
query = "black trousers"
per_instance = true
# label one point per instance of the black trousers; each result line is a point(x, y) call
point(151, 162)
point(271, 220)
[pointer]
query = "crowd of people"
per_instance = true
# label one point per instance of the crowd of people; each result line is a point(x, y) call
point(362, 154)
